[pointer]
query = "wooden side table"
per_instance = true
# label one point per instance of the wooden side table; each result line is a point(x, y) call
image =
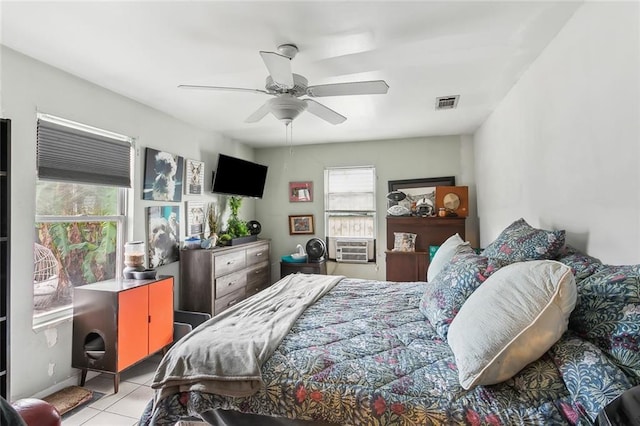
point(287, 268)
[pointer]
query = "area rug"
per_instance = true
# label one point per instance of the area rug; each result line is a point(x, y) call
point(71, 398)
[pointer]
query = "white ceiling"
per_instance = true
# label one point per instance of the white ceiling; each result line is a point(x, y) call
point(422, 49)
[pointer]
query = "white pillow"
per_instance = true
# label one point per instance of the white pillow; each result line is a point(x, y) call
point(444, 254)
point(511, 320)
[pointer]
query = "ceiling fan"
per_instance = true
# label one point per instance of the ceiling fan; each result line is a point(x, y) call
point(287, 88)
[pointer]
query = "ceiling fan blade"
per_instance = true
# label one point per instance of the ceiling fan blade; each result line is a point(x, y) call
point(375, 87)
point(233, 89)
point(258, 114)
point(279, 67)
point(324, 112)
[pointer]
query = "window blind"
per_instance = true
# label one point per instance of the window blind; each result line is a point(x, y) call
point(350, 189)
point(69, 154)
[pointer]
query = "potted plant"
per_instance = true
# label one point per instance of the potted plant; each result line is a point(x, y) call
point(236, 227)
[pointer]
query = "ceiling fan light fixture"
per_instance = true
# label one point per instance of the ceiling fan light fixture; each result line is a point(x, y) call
point(286, 108)
point(288, 49)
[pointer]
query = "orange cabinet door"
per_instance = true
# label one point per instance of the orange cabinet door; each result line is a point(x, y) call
point(160, 314)
point(133, 328)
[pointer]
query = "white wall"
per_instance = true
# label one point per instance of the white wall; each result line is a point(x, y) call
point(562, 149)
point(393, 160)
point(41, 360)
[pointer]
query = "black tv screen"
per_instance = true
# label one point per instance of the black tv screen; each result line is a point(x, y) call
point(235, 176)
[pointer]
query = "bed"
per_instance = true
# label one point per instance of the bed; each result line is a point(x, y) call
point(363, 352)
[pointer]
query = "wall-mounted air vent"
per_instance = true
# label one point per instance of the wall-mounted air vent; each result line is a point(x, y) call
point(447, 102)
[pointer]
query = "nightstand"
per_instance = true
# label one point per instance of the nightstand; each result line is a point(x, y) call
point(287, 268)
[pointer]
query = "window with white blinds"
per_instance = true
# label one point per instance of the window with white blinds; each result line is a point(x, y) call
point(350, 204)
point(82, 189)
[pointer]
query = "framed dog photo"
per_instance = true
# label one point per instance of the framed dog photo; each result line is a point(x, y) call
point(194, 177)
point(301, 224)
point(163, 235)
point(195, 218)
point(162, 176)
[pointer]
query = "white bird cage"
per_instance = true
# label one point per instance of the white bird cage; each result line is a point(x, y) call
point(45, 276)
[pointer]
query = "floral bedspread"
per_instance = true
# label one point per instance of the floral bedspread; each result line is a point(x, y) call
point(364, 354)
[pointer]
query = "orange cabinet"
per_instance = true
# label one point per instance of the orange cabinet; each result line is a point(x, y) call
point(117, 323)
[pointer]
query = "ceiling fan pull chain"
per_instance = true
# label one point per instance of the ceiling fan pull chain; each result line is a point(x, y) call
point(289, 127)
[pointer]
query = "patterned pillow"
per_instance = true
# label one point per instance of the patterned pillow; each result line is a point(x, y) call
point(608, 314)
point(582, 265)
point(451, 287)
point(592, 379)
point(520, 241)
point(404, 241)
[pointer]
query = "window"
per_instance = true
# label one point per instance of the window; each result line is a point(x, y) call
point(81, 200)
point(350, 212)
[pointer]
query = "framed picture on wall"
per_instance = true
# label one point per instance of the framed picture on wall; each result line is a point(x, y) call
point(418, 192)
point(194, 177)
point(301, 224)
point(162, 176)
point(163, 231)
point(300, 192)
point(195, 217)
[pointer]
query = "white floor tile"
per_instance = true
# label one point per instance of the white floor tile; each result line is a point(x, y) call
point(80, 417)
point(140, 373)
point(123, 408)
point(102, 383)
point(110, 419)
point(134, 403)
point(110, 398)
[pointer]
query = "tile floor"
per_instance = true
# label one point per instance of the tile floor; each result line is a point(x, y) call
point(123, 408)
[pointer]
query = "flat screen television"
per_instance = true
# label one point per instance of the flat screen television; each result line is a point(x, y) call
point(235, 176)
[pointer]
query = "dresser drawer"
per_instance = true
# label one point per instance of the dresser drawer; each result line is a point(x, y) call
point(253, 290)
point(228, 300)
point(257, 254)
point(229, 262)
point(258, 275)
point(230, 283)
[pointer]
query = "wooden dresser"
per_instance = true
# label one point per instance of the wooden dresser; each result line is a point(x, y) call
point(431, 231)
point(216, 279)
point(117, 323)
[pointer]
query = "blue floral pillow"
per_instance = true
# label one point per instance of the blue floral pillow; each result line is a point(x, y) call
point(582, 265)
point(591, 378)
point(520, 241)
point(608, 314)
point(453, 285)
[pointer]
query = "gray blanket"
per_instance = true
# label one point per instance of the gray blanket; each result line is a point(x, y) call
point(224, 355)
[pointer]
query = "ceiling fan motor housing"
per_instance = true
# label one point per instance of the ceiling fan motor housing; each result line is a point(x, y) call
point(299, 86)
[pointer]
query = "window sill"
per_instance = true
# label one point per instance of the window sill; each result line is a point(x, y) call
point(53, 318)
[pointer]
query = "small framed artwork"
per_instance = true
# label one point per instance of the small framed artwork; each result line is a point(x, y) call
point(300, 192)
point(162, 176)
point(194, 177)
point(195, 217)
point(163, 235)
point(301, 224)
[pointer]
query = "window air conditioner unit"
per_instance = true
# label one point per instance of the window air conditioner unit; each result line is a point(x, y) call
point(353, 250)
